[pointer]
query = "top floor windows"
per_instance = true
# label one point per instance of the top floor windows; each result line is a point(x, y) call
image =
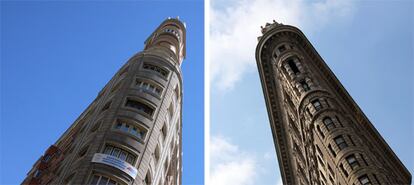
point(120, 153)
point(329, 124)
point(148, 87)
point(305, 85)
point(317, 104)
point(364, 180)
point(352, 161)
point(156, 69)
point(340, 142)
point(293, 66)
point(139, 106)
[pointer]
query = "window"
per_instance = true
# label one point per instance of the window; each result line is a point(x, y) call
point(329, 124)
point(319, 150)
point(148, 87)
point(106, 106)
point(166, 165)
point(352, 141)
point(331, 150)
point(120, 153)
point(164, 131)
point(317, 104)
point(321, 161)
point(364, 180)
point(339, 121)
point(340, 141)
point(176, 92)
point(305, 85)
point(102, 180)
point(171, 110)
point(274, 55)
point(46, 158)
point(330, 170)
point(363, 159)
point(343, 170)
point(156, 69)
point(323, 177)
point(293, 66)
point(147, 179)
point(83, 151)
point(352, 161)
point(157, 154)
point(331, 179)
point(37, 173)
point(320, 131)
point(135, 130)
point(139, 106)
point(281, 48)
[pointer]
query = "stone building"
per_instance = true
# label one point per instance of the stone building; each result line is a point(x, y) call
point(131, 132)
point(320, 134)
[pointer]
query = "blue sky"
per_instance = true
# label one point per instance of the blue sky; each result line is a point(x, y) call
point(367, 44)
point(56, 57)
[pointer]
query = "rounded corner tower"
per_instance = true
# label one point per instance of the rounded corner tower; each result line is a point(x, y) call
point(131, 133)
point(320, 134)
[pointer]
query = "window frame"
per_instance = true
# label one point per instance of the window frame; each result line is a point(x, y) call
point(305, 85)
point(352, 161)
point(340, 142)
point(154, 70)
point(329, 125)
point(118, 152)
point(136, 109)
point(121, 124)
point(317, 105)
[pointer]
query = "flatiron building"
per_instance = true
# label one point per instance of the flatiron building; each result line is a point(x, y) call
point(321, 135)
point(131, 132)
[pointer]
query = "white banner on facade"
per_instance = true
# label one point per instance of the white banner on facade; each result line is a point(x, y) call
point(115, 162)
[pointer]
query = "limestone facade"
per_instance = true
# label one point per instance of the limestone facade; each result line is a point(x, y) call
point(134, 124)
point(321, 135)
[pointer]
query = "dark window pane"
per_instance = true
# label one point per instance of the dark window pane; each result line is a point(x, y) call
point(103, 181)
point(94, 180)
point(139, 106)
point(293, 66)
point(108, 150)
point(111, 182)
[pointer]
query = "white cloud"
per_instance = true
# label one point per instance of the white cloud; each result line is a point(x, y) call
point(229, 165)
point(235, 26)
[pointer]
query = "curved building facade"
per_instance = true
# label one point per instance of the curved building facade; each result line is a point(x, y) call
point(320, 134)
point(131, 133)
